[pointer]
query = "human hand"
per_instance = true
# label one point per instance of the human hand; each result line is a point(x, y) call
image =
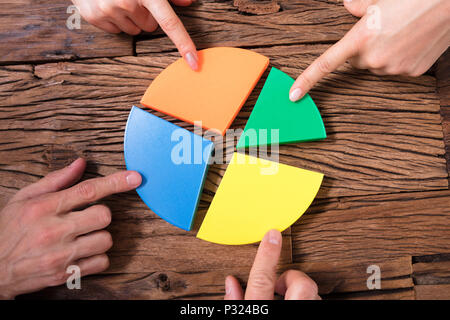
point(41, 235)
point(263, 282)
point(133, 16)
point(396, 37)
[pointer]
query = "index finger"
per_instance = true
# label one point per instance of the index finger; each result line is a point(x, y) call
point(262, 278)
point(163, 13)
point(329, 61)
point(92, 190)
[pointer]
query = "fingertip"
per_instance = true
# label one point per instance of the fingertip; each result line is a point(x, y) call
point(192, 60)
point(77, 163)
point(233, 290)
point(295, 94)
point(228, 286)
point(356, 7)
point(273, 237)
point(134, 179)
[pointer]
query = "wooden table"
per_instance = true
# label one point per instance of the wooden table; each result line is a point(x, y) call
point(385, 199)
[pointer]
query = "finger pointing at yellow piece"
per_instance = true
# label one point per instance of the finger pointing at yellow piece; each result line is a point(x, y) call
point(262, 281)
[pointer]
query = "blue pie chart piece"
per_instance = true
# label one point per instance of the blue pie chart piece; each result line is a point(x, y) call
point(173, 163)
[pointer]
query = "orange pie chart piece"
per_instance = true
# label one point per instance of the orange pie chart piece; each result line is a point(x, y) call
point(214, 94)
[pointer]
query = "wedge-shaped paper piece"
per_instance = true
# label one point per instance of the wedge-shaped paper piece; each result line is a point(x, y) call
point(257, 195)
point(292, 121)
point(214, 94)
point(173, 163)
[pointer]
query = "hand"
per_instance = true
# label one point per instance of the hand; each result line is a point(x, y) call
point(133, 16)
point(262, 281)
point(394, 37)
point(41, 235)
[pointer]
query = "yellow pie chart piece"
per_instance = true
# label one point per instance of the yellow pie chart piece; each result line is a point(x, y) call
point(257, 195)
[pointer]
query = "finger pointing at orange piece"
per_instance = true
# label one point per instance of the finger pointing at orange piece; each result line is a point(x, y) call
point(133, 16)
point(173, 27)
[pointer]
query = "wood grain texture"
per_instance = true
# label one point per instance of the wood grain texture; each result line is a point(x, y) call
point(443, 85)
point(213, 23)
point(432, 292)
point(374, 227)
point(431, 269)
point(335, 280)
point(33, 30)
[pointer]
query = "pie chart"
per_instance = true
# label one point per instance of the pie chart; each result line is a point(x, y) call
point(255, 194)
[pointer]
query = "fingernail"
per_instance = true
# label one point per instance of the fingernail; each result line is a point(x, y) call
point(227, 286)
point(274, 237)
point(191, 59)
point(73, 164)
point(295, 94)
point(347, 0)
point(134, 179)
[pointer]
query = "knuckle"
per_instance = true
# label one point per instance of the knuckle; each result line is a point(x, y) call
point(59, 278)
point(51, 261)
point(170, 23)
point(262, 279)
point(324, 65)
point(126, 5)
point(306, 289)
point(106, 8)
point(107, 240)
point(91, 17)
point(104, 263)
point(104, 215)
point(151, 27)
point(68, 229)
point(375, 61)
point(34, 209)
point(86, 191)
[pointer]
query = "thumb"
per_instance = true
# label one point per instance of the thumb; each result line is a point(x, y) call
point(329, 61)
point(54, 181)
point(358, 8)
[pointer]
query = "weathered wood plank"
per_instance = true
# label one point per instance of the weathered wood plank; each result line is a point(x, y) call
point(333, 279)
point(431, 270)
point(219, 23)
point(443, 84)
point(401, 294)
point(432, 292)
point(37, 31)
point(374, 227)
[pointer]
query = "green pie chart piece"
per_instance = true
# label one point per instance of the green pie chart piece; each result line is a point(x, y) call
point(294, 121)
